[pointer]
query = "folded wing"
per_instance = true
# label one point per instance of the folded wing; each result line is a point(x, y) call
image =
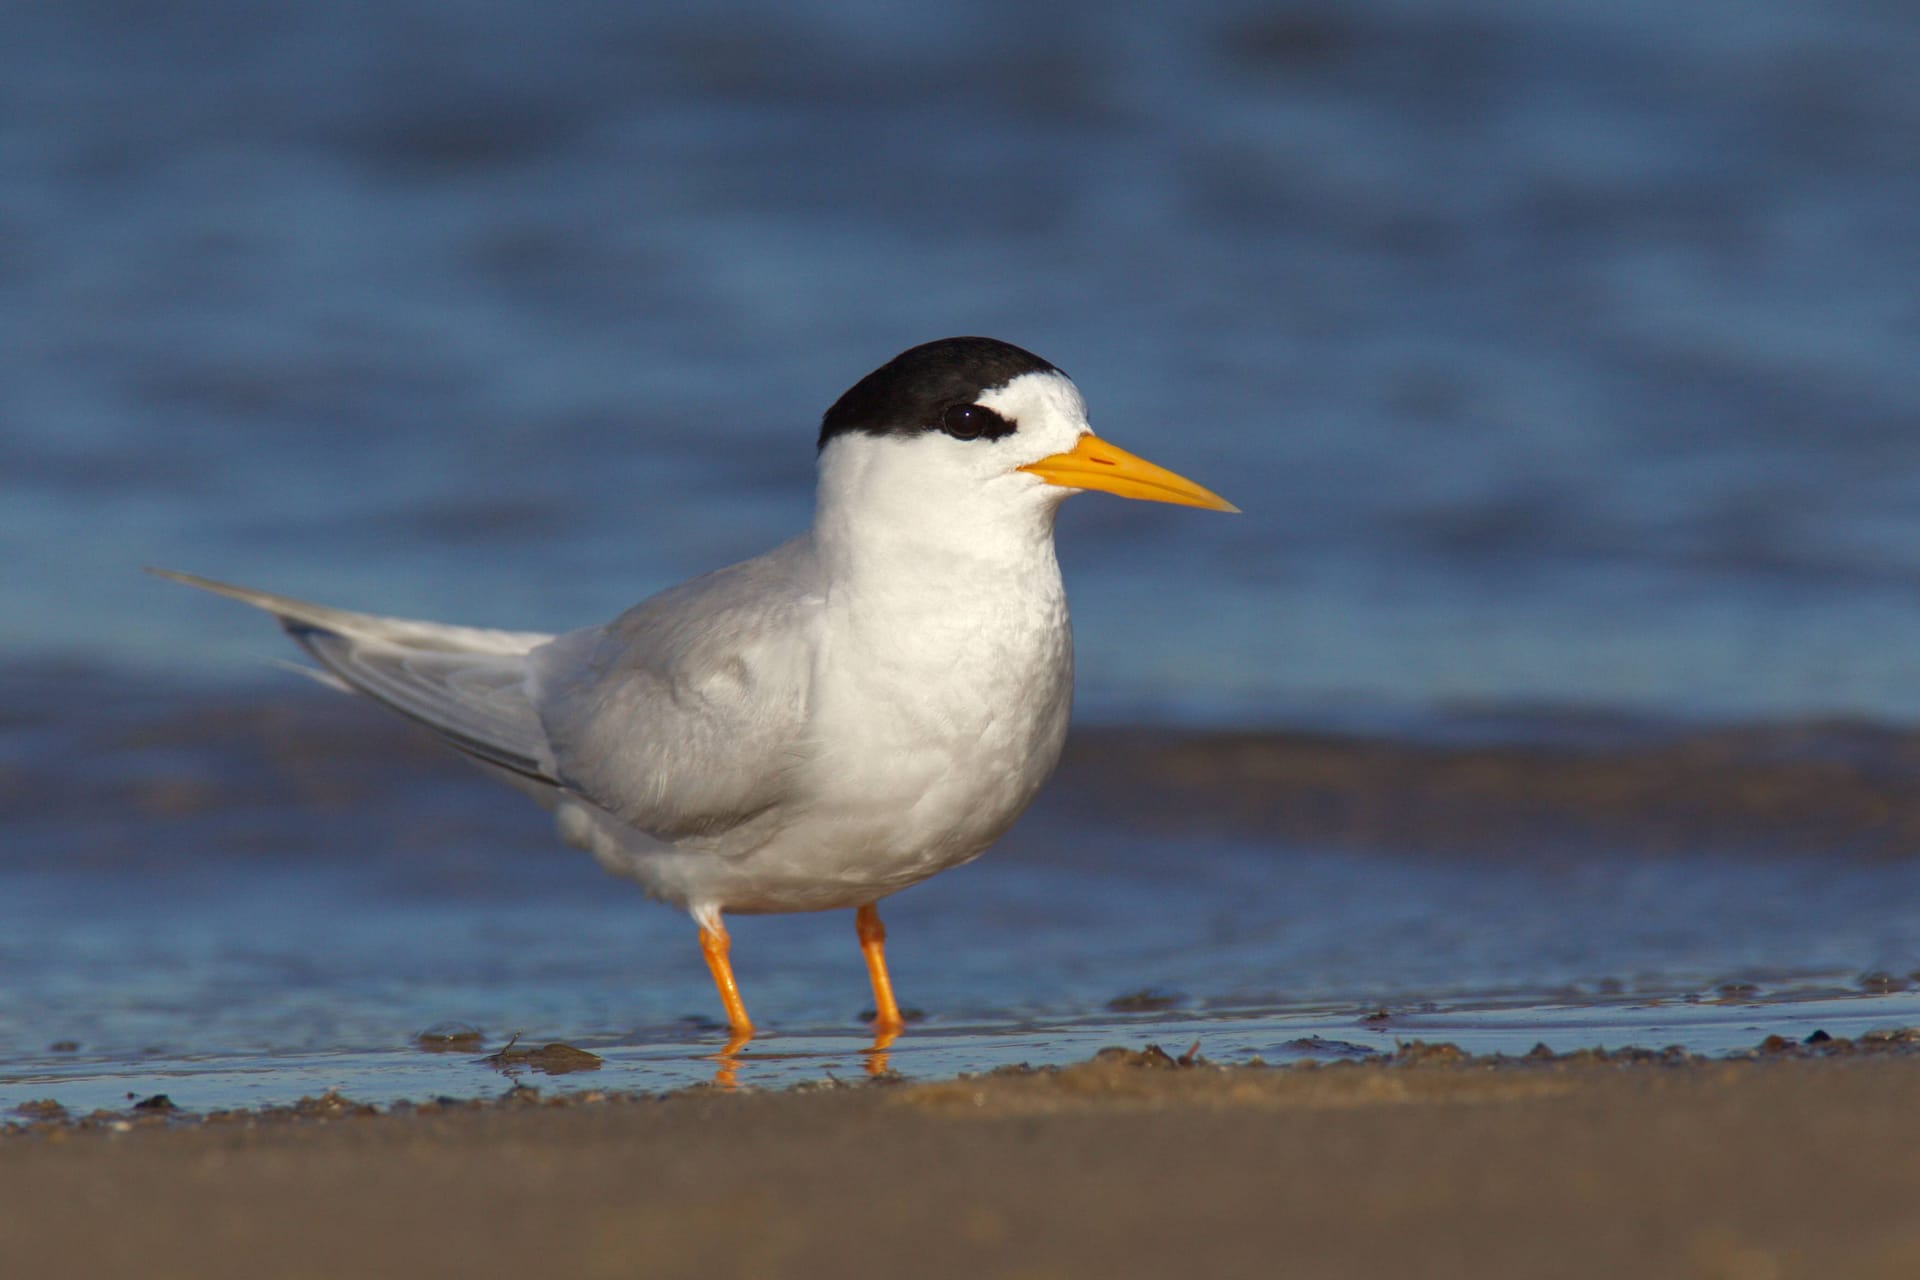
point(686, 717)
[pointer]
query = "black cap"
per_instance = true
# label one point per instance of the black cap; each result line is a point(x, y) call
point(911, 392)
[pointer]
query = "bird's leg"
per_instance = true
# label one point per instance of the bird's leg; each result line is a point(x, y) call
point(873, 944)
point(714, 944)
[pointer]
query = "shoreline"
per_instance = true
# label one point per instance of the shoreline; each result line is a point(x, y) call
point(48, 1118)
point(1793, 1159)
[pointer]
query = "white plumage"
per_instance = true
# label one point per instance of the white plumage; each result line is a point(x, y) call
point(857, 709)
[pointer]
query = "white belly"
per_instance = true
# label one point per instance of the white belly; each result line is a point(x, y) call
point(916, 771)
point(916, 765)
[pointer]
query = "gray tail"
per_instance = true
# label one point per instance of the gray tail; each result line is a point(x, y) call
point(466, 684)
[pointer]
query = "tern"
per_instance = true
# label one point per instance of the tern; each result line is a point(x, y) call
point(862, 707)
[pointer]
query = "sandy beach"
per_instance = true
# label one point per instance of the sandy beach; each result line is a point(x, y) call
point(1792, 1162)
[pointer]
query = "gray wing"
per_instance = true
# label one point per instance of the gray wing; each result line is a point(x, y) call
point(467, 684)
point(687, 715)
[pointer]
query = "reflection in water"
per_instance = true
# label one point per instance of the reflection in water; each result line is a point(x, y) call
point(730, 1058)
point(726, 1072)
point(876, 1057)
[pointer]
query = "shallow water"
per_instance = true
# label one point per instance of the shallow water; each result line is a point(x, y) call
point(1559, 355)
point(240, 900)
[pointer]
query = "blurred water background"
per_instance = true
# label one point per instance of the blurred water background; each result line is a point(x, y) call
point(1562, 357)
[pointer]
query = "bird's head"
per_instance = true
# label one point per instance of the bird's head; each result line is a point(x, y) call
point(972, 423)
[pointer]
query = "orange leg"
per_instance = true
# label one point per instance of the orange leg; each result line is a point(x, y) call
point(714, 943)
point(873, 944)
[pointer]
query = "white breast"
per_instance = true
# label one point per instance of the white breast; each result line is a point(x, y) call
point(937, 715)
point(940, 684)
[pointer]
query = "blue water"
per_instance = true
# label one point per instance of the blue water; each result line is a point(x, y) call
point(247, 897)
point(233, 954)
point(1557, 353)
point(1560, 356)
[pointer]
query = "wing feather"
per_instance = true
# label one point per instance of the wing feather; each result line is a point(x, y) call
point(684, 718)
point(466, 684)
point(687, 715)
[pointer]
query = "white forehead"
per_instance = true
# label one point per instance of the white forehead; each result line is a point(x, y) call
point(1034, 399)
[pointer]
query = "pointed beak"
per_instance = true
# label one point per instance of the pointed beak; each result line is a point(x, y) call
point(1095, 464)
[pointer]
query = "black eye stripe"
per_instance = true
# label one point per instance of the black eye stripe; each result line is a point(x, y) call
point(973, 422)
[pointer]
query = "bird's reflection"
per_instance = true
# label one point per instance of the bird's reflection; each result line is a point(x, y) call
point(726, 1073)
point(883, 1038)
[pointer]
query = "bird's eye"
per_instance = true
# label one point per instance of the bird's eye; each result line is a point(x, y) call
point(971, 421)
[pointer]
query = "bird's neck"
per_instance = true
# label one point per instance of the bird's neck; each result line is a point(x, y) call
point(900, 531)
point(946, 607)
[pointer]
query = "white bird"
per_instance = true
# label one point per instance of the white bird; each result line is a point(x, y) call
point(865, 705)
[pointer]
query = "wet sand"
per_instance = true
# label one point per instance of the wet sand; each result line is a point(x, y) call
point(1593, 784)
point(1792, 1162)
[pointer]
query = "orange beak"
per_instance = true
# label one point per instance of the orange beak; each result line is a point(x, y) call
point(1095, 464)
